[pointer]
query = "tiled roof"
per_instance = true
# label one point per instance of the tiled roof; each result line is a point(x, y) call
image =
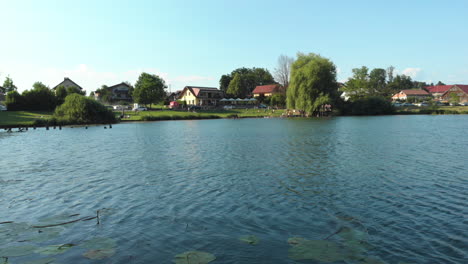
point(444, 88)
point(415, 92)
point(438, 88)
point(271, 88)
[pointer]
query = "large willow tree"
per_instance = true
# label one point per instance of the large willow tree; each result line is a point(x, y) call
point(313, 83)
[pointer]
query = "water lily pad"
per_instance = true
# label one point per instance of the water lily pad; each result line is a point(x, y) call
point(100, 243)
point(251, 239)
point(54, 249)
point(17, 251)
point(320, 250)
point(352, 234)
point(45, 234)
point(194, 257)
point(99, 253)
point(41, 261)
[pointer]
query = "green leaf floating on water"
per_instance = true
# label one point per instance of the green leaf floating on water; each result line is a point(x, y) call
point(352, 234)
point(45, 234)
point(54, 249)
point(41, 261)
point(194, 257)
point(100, 243)
point(251, 239)
point(320, 250)
point(99, 253)
point(17, 251)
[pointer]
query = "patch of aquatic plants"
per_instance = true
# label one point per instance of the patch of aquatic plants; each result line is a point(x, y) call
point(26, 239)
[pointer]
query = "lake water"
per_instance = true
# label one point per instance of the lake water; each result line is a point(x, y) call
point(397, 184)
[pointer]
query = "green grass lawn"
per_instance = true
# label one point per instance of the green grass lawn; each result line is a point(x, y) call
point(133, 116)
point(416, 109)
point(9, 118)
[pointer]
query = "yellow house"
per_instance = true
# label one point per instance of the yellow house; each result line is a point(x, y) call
point(194, 95)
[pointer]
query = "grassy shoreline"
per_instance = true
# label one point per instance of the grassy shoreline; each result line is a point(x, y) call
point(28, 118)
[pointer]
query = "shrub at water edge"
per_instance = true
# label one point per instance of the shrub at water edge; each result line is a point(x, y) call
point(78, 109)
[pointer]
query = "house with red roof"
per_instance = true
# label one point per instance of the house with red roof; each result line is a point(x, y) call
point(458, 91)
point(203, 96)
point(407, 94)
point(267, 90)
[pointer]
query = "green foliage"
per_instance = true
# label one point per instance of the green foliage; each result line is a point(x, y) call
point(313, 83)
point(278, 100)
point(79, 109)
point(8, 85)
point(224, 82)
point(249, 79)
point(14, 101)
point(149, 88)
point(105, 95)
point(236, 89)
point(372, 105)
point(39, 98)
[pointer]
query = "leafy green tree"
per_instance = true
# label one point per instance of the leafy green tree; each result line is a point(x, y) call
point(105, 95)
point(358, 86)
point(8, 85)
point(440, 83)
point(78, 109)
point(149, 88)
point(224, 82)
point(249, 79)
point(377, 80)
point(400, 82)
point(14, 101)
point(236, 89)
point(313, 83)
point(60, 93)
point(278, 100)
point(39, 98)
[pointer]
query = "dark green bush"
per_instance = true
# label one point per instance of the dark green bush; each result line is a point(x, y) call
point(369, 106)
point(78, 109)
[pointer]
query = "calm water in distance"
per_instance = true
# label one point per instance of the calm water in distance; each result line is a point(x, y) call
point(199, 185)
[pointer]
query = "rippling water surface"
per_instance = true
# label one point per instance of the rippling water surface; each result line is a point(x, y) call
point(172, 187)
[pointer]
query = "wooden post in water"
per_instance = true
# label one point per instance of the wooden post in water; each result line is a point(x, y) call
point(110, 125)
point(60, 127)
point(47, 127)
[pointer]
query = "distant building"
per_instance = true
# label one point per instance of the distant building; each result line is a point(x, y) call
point(120, 92)
point(173, 96)
point(203, 96)
point(437, 90)
point(67, 82)
point(407, 94)
point(460, 91)
point(267, 90)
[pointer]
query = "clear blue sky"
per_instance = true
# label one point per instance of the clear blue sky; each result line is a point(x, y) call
point(195, 42)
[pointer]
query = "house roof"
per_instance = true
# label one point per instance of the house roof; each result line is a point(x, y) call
point(270, 88)
point(414, 92)
point(197, 89)
point(122, 83)
point(445, 88)
point(67, 79)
